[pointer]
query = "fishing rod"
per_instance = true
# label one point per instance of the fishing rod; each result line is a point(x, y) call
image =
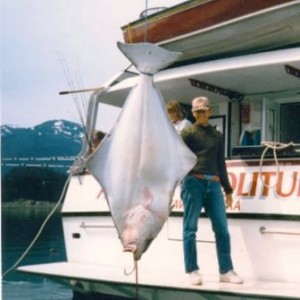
point(71, 85)
point(79, 91)
point(111, 83)
point(97, 93)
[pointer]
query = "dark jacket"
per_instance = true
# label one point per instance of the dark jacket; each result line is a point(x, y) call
point(208, 145)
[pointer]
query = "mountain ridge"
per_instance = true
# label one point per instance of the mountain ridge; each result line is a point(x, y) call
point(50, 138)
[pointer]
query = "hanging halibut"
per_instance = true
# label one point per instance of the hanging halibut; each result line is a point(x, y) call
point(140, 162)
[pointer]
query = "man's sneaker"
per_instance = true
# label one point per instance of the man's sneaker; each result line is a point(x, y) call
point(195, 278)
point(231, 277)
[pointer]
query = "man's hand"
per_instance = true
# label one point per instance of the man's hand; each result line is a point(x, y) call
point(229, 201)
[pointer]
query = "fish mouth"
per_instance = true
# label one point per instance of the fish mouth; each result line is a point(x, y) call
point(133, 248)
point(137, 248)
point(130, 248)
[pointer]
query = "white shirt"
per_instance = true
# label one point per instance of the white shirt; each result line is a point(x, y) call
point(182, 124)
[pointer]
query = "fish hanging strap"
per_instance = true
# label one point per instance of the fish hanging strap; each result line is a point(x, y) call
point(135, 269)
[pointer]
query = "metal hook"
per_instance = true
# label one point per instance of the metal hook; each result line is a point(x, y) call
point(134, 268)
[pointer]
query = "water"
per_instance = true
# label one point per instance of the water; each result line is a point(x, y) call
point(19, 227)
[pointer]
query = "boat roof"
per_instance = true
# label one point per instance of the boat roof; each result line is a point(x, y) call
point(273, 74)
point(275, 27)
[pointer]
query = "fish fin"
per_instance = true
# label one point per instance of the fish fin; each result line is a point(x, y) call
point(148, 58)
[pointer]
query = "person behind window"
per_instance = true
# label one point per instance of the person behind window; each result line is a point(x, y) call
point(250, 136)
point(177, 116)
point(202, 188)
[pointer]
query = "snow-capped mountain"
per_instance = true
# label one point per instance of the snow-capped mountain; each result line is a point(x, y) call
point(51, 138)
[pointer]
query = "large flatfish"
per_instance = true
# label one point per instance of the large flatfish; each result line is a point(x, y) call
point(140, 162)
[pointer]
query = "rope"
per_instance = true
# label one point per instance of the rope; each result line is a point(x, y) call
point(136, 279)
point(135, 269)
point(147, 74)
point(146, 22)
point(15, 265)
point(274, 146)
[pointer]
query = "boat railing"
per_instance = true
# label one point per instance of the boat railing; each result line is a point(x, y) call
point(254, 152)
point(264, 230)
point(151, 11)
point(84, 225)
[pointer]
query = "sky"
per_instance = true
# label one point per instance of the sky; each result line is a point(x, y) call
point(48, 44)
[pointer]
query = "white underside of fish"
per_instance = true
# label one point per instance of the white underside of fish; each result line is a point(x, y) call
point(140, 162)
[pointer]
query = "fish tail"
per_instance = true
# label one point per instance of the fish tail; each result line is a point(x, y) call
point(148, 58)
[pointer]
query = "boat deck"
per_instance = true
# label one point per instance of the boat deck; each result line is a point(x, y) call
point(111, 278)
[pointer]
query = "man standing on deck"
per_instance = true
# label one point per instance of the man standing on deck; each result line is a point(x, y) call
point(202, 188)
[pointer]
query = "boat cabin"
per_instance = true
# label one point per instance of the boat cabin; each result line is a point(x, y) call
point(255, 98)
point(255, 102)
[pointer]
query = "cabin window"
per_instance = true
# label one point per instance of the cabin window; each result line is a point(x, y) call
point(290, 123)
point(250, 118)
point(279, 123)
point(246, 128)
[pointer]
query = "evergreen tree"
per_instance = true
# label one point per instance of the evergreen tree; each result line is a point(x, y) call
point(32, 183)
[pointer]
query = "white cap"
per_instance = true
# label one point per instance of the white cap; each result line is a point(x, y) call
point(200, 103)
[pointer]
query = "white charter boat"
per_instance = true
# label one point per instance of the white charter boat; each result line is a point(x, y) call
point(256, 105)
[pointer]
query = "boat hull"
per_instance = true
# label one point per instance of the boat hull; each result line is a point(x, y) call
point(97, 265)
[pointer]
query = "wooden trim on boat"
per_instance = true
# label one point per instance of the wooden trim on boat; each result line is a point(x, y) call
point(191, 16)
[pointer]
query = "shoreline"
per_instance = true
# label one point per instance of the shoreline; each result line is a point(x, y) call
point(27, 204)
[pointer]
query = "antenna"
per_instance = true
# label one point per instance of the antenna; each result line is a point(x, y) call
point(146, 21)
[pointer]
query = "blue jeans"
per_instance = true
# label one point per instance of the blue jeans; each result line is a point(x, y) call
point(196, 194)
